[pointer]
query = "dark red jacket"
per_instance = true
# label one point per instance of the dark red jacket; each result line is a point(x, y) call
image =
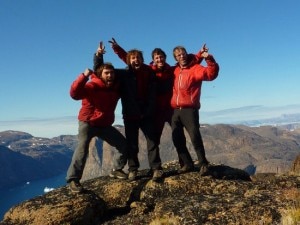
point(188, 81)
point(164, 79)
point(98, 102)
point(144, 88)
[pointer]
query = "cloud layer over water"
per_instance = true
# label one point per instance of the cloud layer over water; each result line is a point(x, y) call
point(53, 127)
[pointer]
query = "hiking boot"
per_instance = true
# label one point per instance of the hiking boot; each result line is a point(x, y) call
point(75, 186)
point(157, 175)
point(185, 169)
point(149, 173)
point(119, 174)
point(132, 175)
point(204, 170)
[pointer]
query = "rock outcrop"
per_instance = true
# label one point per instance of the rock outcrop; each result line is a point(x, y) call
point(296, 166)
point(225, 196)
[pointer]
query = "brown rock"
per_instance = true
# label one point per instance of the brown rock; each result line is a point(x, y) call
point(226, 196)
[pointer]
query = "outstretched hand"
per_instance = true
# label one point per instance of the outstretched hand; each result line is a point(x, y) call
point(113, 42)
point(100, 49)
point(204, 51)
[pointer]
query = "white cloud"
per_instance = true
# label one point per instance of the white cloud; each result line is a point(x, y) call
point(43, 127)
point(49, 127)
point(247, 113)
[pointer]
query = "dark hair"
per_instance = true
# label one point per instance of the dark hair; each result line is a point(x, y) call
point(99, 70)
point(158, 51)
point(134, 52)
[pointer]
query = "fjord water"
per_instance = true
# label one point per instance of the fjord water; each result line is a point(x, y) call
point(12, 196)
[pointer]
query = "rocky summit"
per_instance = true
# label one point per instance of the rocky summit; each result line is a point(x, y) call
point(225, 195)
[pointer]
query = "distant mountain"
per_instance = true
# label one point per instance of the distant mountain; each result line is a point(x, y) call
point(292, 120)
point(25, 158)
point(14, 167)
point(268, 148)
point(263, 149)
point(256, 149)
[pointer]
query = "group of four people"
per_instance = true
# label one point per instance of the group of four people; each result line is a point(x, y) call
point(151, 95)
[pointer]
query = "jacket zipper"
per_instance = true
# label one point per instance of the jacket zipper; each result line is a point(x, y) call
point(178, 86)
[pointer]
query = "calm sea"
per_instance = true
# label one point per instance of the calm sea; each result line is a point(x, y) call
point(13, 196)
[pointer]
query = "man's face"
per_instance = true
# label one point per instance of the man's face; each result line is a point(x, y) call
point(108, 77)
point(159, 60)
point(135, 61)
point(181, 57)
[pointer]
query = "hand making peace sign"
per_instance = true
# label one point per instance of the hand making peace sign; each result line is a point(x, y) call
point(101, 49)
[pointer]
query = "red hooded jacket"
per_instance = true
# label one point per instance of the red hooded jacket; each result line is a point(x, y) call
point(98, 101)
point(188, 81)
point(165, 78)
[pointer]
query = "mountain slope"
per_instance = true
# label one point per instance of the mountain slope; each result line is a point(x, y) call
point(262, 149)
point(25, 158)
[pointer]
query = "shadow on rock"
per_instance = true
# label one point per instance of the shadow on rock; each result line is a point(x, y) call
point(227, 173)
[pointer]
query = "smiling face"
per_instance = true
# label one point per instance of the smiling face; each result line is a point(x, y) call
point(159, 60)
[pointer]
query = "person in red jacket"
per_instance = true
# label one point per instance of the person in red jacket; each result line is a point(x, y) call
point(164, 79)
point(164, 87)
point(99, 93)
point(185, 101)
point(143, 92)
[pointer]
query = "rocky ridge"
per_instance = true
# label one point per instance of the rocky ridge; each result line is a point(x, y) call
point(225, 196)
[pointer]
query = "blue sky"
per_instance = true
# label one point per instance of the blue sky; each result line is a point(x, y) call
point(46, 44)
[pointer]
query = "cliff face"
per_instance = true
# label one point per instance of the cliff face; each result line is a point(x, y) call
point(36, 157)
point(296, 166)
point(225, 196)
point(266, 149)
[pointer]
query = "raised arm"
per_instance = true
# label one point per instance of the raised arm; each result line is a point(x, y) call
point(212, 70)
point(78, 90)
point(198, 58)
point(212, 67)
point(98, 56)
point(118, 50)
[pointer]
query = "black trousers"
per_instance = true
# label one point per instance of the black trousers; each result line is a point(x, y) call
point(147, 126)
point(187, 118)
